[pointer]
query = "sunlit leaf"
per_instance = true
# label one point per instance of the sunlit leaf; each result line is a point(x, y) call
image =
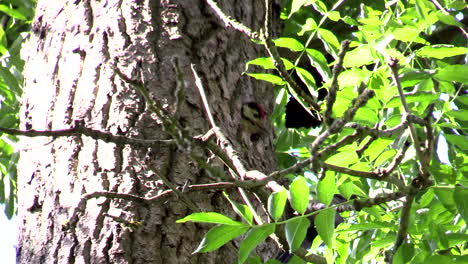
point(441, 51)
point(453, 73)
point(218, 236)
point(446, 197)
point(458, 140)
point(460, 196)
point(276, 203)
point(329, 39)
point(296, 230)
point(268, 63)
point(309, 25)
point(209, 217)
point(241, 209)
point(326, 188)
point(267, 77)
point(296, 5)
point(299, 191)
point(325, 224)
point(12, 12)
point(289, 43)
point(343, 158)
point(254, 237)
point(359, 56)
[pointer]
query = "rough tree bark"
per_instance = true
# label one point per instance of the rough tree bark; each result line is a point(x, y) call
point(69, 77)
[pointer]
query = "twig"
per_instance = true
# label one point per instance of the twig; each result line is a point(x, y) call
point(179, 91)
point(404, 223)
point(239, 169)
point(397, 159)
point(199, 85)
point(423, 165)
point(357, 103)
point(330, 149)
point(161, 197)
point(190, 204)
point(279, 65)
point(331, 97)
point(441, 8)
point(270, 47)
point(232, 22)
point(170, 125)
point(319, 25)
point(79, 129)
point(387, 133)
point(224, 143)
point(378, 175)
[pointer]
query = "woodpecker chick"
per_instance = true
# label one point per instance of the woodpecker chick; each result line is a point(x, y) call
point(253, 118)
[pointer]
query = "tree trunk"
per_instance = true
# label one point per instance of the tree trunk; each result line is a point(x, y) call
point(69, 77)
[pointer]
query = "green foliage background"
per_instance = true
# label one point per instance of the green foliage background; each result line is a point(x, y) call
point(15, 21)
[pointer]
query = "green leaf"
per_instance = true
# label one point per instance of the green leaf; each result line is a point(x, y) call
point(318, 60)
point(343, 158)
point(12, 12)
point(371, 226)
point(307, 78)
point(384, 156)
point(458, 140)
point(309, 25)
point(441, 51)
point(289, 43)
point(254, 237)
point(438, 259)
point(296, 5)
point(334, 15)
point(241, 209)
point(209, 217)
point(359, 56)
point(276, 203)
point(453, 73)
point(460, 195)
point(407, 33)
point(325, 224)
point(274, 79)
point(10, 80)
point(376, 147)
point(420, 97)
point(299, 191)
point(413, 77)
point(326, 188)
point(446, 197)
point(367, 115)
point(352, 77)
point(218, 236)
point(459, 114)
point(329, 40)
point(319, 6)
point(404, 253)
point(268, 63)
point(448, 19)
point(296, 231)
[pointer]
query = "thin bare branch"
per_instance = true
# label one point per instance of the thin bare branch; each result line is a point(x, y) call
point(79, 129)
point(161, 197)
point(414, 137)
point(331, 97)
point(230, 22)
point(404, 224)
